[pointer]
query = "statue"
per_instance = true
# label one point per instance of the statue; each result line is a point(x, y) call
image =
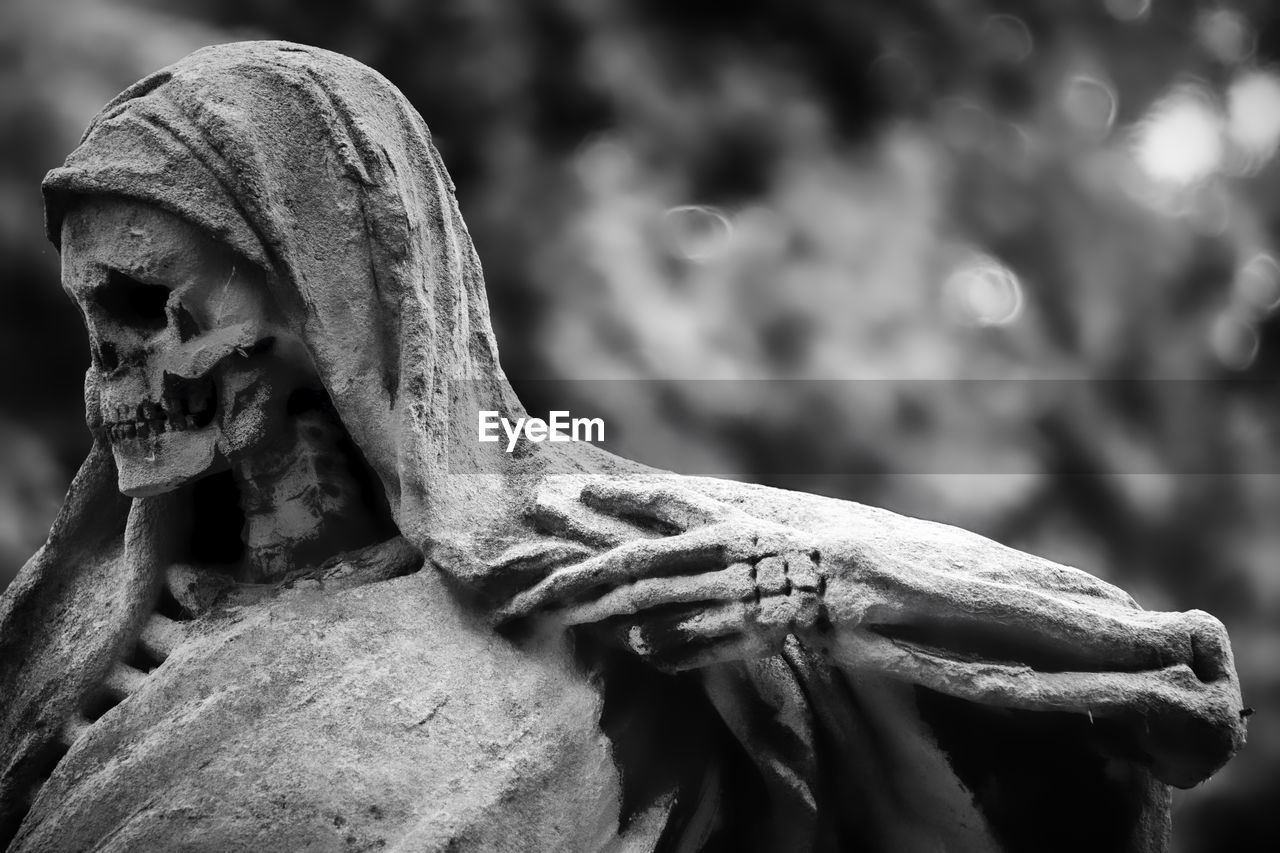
point(286, 605)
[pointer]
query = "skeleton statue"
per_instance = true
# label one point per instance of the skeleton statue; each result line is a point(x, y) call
point(285, 606)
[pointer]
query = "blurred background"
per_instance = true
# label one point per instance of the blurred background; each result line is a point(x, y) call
point(890, 190)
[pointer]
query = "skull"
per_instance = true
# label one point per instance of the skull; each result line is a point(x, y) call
point(190, 366)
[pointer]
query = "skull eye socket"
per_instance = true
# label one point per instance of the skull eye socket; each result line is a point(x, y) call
point(128, 301)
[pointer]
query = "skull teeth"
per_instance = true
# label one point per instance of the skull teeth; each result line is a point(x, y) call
point(150, 418)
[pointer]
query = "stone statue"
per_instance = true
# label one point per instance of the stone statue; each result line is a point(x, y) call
point(286, 606)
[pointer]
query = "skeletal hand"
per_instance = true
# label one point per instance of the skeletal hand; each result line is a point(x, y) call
point(721, 586)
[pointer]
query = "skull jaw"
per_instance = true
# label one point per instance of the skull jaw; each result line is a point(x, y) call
point(239, 405)
point(161, 463)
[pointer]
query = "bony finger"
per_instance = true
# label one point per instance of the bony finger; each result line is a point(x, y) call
point(688, 553)
point(727, 585)
point(526, 564)
point(515, 569)
point(695, 624)
point(804, 568)
point(700, 638)
point(771, 576)
point(567, 518)
point(675, 508)
point(572, 583)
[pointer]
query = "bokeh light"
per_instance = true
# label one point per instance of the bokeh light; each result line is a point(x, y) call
point(1234, 341)
point(1007, 38)
point(1180, 142)
point(1226, 35)
point(696, 233)
point(1128, 10)
point(897, 76)
point(1090, 104)
point(1257, 282)
point(981, 291)
point(1253, 117)
point(966, 124)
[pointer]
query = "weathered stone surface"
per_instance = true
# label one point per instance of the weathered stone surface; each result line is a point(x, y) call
point(320, 719)
point(323, 621)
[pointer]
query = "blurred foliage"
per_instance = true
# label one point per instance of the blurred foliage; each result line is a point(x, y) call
point(817, 189)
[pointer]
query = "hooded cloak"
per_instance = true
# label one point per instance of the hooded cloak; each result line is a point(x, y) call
point(317, 169)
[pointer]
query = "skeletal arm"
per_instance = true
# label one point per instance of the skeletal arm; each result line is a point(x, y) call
point(699, 583)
